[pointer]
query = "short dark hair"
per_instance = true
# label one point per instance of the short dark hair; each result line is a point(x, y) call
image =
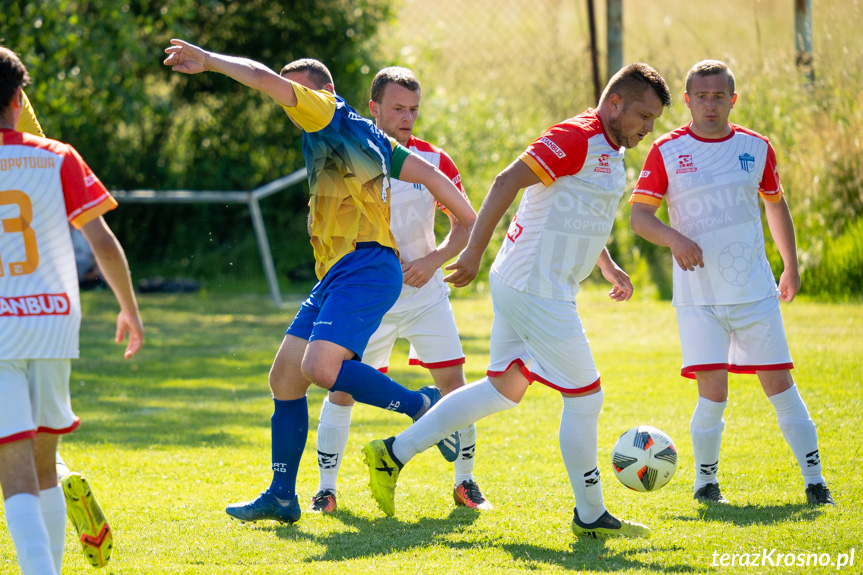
point(393, 75)
point(633, 80)
point(318, 73)
point(13, 75)
point(710, 68)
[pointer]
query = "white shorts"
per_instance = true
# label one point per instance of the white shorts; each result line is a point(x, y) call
point(431, 331)
point(742, 338)
point(35, 398)
point(544, 337)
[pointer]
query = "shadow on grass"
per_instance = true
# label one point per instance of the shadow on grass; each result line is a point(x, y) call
point(745, 515)
point(381, 536)
point(594, 555)
point(384, 536)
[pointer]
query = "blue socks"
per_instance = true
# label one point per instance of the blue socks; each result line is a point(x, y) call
point(368, 385)
point(289, 428)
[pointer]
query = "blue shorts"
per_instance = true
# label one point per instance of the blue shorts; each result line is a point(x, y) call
point(348, 304)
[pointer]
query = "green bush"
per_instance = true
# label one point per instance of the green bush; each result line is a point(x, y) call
point(99, 84)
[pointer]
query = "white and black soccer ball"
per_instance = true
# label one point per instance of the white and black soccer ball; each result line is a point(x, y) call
point(644, 458)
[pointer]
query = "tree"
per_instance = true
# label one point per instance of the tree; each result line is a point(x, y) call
point(98, 83)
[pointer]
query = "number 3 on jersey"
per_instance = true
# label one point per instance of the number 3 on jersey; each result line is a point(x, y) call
point(21, 225)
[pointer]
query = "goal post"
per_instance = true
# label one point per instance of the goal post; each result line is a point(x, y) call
point(250, 198)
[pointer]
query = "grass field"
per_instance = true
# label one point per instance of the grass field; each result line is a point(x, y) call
point(170, 438)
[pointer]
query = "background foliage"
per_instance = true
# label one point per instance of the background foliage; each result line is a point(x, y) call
point(98, 83)
point(498, 73)
point(495, 74)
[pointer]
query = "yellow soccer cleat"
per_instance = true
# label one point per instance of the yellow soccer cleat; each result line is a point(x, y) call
point(608, 526)
point(383, 473)
point(87, 517)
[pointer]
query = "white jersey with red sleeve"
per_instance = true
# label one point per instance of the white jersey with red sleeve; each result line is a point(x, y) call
point(412, 217)
point(563, 223)
point(711, 188)
point(44, 186)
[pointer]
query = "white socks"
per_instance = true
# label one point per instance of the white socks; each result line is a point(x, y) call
point(799, 431)
point(706, 430)
point(62, 468)
point(27, 528)
point(455, 411)
point(464, 464)
point(53, 505)
point(578, 445)
point(333, 428)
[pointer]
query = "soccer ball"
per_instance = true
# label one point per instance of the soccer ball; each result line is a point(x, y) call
point(644, 458)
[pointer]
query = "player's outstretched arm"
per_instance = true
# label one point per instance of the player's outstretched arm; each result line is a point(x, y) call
point(500, 196)
point(190, 59)
point(782, 229)
point(644, 222)
point(111, 260)
point(621, 285)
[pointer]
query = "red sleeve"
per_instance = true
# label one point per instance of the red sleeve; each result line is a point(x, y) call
point(447, 166)
point(86, 197)
point(770, 187)
point(653, 181)
point(560, 151)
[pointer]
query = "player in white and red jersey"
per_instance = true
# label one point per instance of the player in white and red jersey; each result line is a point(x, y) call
point(711, 173)
point(44, 186)
point(422, 314)
point(574, 178)
point(84, 511)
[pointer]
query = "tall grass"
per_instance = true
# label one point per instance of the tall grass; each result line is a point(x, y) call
point(497, 73)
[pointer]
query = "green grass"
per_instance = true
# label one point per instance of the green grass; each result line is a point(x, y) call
point(171, 437)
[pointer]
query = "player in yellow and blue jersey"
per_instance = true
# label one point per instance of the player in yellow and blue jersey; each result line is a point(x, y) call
point(350, 164)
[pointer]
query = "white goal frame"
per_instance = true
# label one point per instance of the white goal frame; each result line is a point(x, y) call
point(251, 199)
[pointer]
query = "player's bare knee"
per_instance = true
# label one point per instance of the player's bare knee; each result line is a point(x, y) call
point(774, 382)
point(319, 373)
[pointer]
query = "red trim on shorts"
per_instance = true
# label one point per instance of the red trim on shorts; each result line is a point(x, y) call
point(18, 436)
point(69, 429)
point(587, 387)
point(517, 362)
point(437, 364)
point(752, 369)
point(689, 371)
point(532, 377)
point(31, 433)
point(384, 369)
